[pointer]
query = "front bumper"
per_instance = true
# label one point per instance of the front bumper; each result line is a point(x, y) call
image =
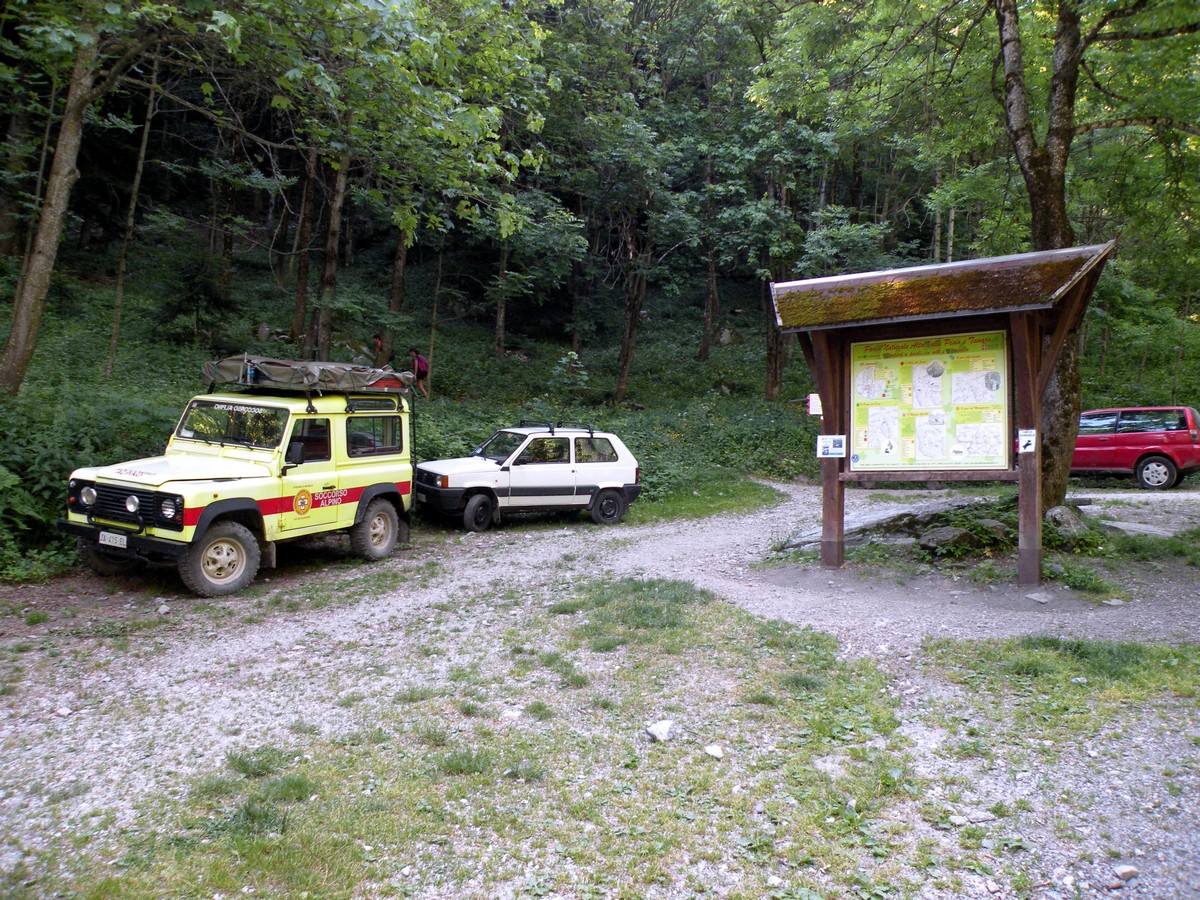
point(446, 500)
point(137, 546)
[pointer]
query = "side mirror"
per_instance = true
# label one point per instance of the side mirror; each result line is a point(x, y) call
point(295, 453)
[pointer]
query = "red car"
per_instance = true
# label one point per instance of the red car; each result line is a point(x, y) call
point(1157, 444)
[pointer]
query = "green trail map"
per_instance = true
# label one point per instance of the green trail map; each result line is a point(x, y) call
point(930, 403)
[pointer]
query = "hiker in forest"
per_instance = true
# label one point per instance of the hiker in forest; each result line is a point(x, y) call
point(420, 370)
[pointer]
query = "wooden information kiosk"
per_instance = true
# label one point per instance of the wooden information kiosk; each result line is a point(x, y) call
point(937, 373)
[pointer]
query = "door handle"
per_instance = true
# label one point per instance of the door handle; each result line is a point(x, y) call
point(329, 487)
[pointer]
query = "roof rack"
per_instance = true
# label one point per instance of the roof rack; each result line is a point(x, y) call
point(303, 376)
point(550, 426)
point(590, 429)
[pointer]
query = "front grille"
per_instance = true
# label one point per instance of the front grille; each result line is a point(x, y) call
point(424, 477)
point(110, 504)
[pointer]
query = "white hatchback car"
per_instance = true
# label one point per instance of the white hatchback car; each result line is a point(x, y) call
point(534, 468)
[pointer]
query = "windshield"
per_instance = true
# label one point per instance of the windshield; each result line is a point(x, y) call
point(500, 446)
point(222, 422)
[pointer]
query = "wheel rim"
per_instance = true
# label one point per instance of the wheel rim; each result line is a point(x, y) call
point(608, 508)
point(223, 561)
point(482, 514)
point(380, 532)
point(1155, 473)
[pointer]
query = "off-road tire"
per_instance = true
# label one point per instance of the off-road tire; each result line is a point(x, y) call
point(479, 512)
point(1156, 473)
point(223, 561)
point(104, 563)
point(380, 530)
point(608, 508)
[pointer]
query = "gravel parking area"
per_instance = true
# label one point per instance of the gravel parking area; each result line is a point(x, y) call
point(94, 727)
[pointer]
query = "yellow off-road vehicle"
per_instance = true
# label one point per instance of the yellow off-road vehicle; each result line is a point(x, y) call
point(296, 449)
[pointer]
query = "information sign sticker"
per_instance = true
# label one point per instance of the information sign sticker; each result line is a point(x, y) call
point(1026, 440)
point(831, 445)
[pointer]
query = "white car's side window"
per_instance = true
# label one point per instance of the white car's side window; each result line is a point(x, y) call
point(594, 450)
point(547, 450)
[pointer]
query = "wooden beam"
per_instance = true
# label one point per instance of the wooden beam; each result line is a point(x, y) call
point(829, 368)
point(1026, 356)
point(926, 475)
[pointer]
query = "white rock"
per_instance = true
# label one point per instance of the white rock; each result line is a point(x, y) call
point(1125, 873)
point(979, 817)
point(62, 712)
point(164, 609)
point(662, 730)
point(992, 887)
point(715, 751)
point(959, 821)
point(774, 881)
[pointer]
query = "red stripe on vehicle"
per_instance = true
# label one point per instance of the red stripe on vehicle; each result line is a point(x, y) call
point(275, 506)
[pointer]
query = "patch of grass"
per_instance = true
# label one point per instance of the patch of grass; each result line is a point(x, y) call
point(1050, 684)
point(465, 762)
point(37, 617)
point(415, 694)
point(719, 491)
point(257, 763)
point(1088, 581)
point(540, 710)
point(353, 698)
point(1145, 548)
point(469, 708)
point(291, 788)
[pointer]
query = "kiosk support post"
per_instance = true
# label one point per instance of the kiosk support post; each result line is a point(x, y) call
point(1026, 351)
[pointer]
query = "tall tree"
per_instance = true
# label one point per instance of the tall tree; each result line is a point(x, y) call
point(1063, 68)
point(89, 45)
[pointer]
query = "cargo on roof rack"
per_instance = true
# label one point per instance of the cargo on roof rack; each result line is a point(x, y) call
point(308, 376)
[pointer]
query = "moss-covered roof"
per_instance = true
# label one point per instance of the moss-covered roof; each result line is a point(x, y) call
point(975, 287)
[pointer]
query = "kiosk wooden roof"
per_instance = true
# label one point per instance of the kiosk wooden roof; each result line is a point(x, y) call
point(1023, 282)
point(1037, 299)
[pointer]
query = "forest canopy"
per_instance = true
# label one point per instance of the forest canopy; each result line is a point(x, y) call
point(553, 170)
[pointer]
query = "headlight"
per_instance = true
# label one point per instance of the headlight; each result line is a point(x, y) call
point(167, 509)
point(88, 496)
point(132, 503)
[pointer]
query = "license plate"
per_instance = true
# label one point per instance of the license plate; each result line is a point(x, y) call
point(108, 539)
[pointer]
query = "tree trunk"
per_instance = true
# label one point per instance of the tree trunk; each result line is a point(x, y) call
point(397, 295)
point(30, 300)
point(501, 305)
point(228, 204)
point(320, 335)
point(635, 297)
point(300, 251)
point(433, 318)
point(130, 217)
point(712, 307)
point(638, 264)
point(774, 382)
point(1044, 172)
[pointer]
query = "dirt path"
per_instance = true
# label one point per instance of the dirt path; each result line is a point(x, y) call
point(116, 722)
